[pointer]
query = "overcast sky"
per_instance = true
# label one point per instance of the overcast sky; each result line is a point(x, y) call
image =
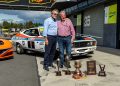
point(21, 16)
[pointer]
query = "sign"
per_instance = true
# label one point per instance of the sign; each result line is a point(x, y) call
point(87, 21)
point(27, 3)
point(8, 1)
point(111, 14)
point(83, 5)
point(91, 67)
point(79, 19)
point(41, 1)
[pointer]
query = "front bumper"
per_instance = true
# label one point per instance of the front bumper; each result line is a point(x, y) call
point(83, 51)
point(6, 53)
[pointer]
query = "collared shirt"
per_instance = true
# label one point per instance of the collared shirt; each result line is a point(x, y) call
point(50, 27)
point(65, 28)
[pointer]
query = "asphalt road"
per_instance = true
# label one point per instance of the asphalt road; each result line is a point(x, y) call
point(20, 71)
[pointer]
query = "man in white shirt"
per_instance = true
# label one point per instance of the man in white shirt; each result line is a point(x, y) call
point(50, 34)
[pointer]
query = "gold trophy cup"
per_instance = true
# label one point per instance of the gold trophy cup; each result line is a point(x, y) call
point(77, 73)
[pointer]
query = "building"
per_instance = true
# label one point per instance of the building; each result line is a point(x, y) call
point(98, 18)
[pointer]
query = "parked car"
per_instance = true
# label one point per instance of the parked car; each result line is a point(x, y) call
point(32, 39)
point(6, 49)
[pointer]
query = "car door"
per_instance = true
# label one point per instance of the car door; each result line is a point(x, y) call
point(32, 35)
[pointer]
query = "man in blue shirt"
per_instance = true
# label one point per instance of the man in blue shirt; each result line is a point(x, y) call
point(50, 34)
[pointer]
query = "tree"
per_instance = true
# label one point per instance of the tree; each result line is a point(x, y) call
point(6, 25)
point(29, 24)
point(20, 25)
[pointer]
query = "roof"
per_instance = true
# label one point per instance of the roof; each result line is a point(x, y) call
point(45, 5)
point(63, 4)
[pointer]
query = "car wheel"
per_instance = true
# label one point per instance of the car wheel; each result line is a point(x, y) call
point(92, 52)
point(19, 49)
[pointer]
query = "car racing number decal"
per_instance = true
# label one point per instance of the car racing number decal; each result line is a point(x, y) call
point(31, 44)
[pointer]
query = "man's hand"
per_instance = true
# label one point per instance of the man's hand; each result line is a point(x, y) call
point(72, 41)
point(46, 41)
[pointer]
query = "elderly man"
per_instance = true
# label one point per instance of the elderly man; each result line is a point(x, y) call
point(66, 36)
point(50, 34)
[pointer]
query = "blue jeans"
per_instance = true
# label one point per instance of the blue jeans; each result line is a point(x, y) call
point(50, 50)
point(64, 43)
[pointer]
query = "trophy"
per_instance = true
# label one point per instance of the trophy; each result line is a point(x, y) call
point(67, 60)
point(91, 67)
point(85, 73)
point(58, 72)
point(77, 74)
point(102, 72)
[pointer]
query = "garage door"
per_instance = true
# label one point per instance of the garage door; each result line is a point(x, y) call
point(94, 22)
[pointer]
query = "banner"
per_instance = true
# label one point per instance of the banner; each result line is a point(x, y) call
point(47, 3)
point(79, 19)
point(8, 1)
point(111, 14)
point(41, 1)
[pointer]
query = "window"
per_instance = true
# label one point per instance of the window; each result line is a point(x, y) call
point(32, 32)
point(27, 32)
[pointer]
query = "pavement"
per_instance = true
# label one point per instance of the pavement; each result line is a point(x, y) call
point(20, 71)
point(101, 55)
point(27, 70)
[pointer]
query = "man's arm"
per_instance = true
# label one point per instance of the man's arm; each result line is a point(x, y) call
point(45, 31)
point(72, 31)
point(45, 28)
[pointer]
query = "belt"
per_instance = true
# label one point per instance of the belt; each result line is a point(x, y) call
point(52, 35)
point(64, 36)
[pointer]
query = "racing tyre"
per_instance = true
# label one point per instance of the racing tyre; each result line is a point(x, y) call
point(19, 49)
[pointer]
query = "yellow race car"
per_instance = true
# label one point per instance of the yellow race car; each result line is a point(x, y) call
point(6, 49)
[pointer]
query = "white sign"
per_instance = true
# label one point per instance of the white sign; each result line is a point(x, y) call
point(86, 21)
point(79, 19)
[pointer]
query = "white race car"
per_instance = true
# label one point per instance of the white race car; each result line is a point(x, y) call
point(32, 40)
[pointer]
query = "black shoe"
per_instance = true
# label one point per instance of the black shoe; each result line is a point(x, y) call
point(46, 68)
point(61, 66)
point(52, 66)
point(69, 66)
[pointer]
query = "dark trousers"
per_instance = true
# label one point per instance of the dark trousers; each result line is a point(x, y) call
point(64, 43)
point(50, 50)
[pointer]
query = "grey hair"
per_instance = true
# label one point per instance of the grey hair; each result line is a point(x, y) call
point(62, 12)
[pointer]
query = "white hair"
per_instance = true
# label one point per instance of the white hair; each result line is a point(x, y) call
point(62, 12)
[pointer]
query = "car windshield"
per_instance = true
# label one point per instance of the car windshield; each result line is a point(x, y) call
point(41, 30)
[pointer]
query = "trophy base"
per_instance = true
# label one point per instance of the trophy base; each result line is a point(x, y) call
point(67, 72)
point(102, 73)
point(91, 73)
point(77, 75)
point(58, 73)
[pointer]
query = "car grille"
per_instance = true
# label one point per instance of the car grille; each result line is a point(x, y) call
point(81, 44)
point(2, 51)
